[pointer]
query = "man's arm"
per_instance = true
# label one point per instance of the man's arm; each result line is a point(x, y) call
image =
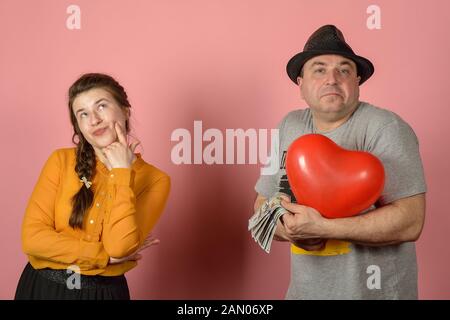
point(397, 222)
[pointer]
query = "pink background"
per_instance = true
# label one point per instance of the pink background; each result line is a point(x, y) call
point(222, 62)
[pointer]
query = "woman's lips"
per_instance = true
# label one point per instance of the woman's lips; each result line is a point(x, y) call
point(99, 132)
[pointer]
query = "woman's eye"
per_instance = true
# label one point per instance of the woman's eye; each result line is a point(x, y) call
point(101, 106)
point(83, 115)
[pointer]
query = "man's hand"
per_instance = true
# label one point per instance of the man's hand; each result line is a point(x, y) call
point(148, 242)
point(281, 234)
point(311, 244)
point(306, 244)
point(302, 222)
point(299, 224)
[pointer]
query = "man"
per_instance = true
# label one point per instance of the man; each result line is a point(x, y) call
point(371, 255)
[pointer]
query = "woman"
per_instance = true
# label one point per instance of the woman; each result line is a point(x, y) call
point(93, 206)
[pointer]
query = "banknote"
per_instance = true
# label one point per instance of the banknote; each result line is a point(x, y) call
point(262, 225)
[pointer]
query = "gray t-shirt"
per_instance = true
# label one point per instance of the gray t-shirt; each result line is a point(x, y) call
point(344, 270)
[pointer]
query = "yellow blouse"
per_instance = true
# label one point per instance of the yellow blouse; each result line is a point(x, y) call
point(127, 204)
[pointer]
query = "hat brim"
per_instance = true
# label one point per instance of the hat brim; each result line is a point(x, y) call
point(295, 64)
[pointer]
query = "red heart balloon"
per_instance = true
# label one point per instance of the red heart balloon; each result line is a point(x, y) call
point(336, 182)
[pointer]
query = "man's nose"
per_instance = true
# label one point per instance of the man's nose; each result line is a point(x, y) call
point(332, 77)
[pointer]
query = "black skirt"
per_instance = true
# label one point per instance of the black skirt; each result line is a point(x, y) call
point(50, 284)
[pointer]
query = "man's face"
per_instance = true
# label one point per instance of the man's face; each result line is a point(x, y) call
point(96, 111)
point(330, 85)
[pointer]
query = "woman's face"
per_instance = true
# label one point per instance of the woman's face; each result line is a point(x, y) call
point(96, 112)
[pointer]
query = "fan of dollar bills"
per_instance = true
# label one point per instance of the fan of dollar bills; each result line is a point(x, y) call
point(263, 223)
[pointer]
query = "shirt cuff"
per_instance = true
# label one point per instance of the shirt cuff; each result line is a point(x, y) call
point(122, 176)
point(94, 252)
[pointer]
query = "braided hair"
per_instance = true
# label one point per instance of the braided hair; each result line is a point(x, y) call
point(85, 154)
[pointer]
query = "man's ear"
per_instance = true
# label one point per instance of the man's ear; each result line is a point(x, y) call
point(358, 78)
point(300, 82)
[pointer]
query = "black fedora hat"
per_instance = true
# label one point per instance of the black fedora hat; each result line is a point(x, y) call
point(328, 40)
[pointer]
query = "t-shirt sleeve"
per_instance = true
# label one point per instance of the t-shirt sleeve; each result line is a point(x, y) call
point(397, 146)
point(267, 184)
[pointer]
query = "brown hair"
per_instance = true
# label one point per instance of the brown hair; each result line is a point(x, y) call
point(85, 154)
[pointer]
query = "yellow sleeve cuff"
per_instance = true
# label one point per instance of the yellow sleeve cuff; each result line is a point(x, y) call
point(94, 253)
point(122, 176)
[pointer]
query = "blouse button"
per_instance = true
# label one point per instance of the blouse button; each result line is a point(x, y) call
point(112, 176)
point(98, 204)
point(91, 221)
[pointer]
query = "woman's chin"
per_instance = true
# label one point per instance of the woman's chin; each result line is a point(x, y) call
point(102, 142)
